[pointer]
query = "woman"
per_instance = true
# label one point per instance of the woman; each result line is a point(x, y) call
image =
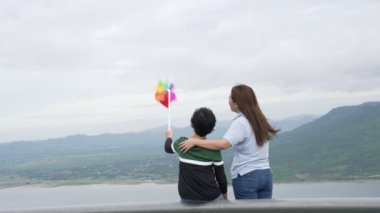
point(248, 134)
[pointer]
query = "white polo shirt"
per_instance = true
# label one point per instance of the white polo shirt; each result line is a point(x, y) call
point(248, 156)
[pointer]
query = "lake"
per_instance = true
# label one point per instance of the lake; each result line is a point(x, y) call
point(39, 196)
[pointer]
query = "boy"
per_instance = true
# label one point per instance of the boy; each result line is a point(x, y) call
point(201, 171)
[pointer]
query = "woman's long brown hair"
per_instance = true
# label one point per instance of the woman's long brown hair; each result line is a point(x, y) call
point(246, 101)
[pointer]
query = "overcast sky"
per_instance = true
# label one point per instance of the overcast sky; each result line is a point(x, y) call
point(90, 67)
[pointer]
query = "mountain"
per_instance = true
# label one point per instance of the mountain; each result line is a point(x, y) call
point(86, 159)
point(343, 144)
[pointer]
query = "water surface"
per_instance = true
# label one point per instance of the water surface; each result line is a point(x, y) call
point(38, 196)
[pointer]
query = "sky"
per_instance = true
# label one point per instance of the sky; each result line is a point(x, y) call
point(90, 67)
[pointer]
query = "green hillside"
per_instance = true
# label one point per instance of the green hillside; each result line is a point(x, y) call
point(343, 144)
point(117, 158)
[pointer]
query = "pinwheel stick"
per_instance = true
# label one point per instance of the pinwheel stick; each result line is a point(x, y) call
point(169, 98)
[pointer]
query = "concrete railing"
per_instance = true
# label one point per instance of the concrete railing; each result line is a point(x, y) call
point(325, 205)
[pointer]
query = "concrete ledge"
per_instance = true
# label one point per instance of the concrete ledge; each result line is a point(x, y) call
point(324, 205)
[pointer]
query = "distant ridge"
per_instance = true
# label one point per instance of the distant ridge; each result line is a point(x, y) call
point(293, 122)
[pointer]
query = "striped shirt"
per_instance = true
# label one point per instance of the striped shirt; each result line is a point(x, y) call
point(201, 172)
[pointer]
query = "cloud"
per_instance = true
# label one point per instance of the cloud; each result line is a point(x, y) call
point(84, 63)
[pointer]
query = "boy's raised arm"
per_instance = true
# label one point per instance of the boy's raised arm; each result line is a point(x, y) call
point(168, 142)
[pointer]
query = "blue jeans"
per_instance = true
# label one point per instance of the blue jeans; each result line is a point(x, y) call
point(257, 184)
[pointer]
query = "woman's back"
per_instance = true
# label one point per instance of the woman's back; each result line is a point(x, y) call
point(248, 155)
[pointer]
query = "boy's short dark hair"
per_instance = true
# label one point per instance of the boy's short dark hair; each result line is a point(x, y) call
point(203, 121)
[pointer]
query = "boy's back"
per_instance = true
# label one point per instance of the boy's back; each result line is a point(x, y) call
point(201, 172)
